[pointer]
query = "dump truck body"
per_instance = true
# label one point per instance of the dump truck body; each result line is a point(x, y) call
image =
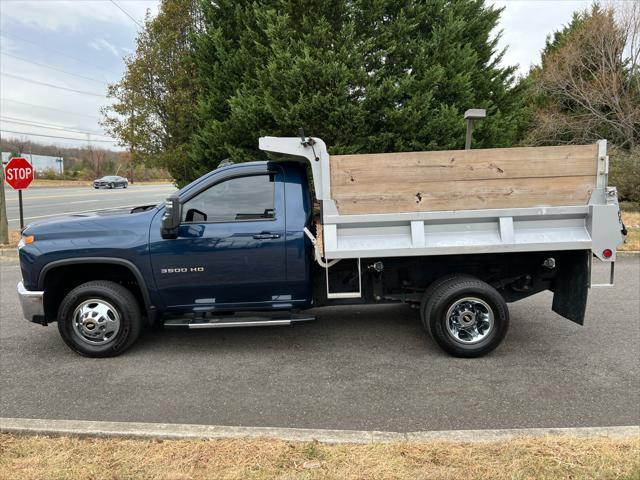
point(462, 202)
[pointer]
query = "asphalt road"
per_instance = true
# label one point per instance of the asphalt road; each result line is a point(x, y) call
point(43, 202)
point(369, 368)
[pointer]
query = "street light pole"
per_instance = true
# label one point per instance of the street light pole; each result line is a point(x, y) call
point(471, 115)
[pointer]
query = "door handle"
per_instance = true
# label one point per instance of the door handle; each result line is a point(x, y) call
point(266, 236)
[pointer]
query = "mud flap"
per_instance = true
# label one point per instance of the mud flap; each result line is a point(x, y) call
point(571, 286)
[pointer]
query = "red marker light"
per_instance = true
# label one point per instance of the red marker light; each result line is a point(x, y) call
point(606, 253)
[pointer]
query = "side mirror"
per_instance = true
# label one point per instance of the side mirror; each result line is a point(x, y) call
point(171, 218)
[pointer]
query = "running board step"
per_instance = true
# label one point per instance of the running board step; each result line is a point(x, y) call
point(239, 320)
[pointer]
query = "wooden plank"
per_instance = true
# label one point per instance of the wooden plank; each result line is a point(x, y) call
point(452, 165)
point(465, 195)
point(319, 237)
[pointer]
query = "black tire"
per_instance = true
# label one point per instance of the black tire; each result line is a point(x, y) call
point(447, 294)
point(117, 296)
point(426, 304)
point(125, 185)
point(112, 186)
point(96, 188)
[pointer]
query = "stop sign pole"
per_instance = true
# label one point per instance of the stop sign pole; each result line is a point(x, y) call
point(21, 209)
point(19, 174)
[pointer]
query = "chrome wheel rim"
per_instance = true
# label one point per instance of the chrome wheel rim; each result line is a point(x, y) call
point(96, 322)
point(469, 320)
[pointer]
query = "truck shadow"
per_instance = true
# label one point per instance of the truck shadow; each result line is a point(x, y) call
point(389, 329)
point(335, 327)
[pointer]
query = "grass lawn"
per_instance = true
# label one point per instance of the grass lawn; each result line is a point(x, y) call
point(539, 458)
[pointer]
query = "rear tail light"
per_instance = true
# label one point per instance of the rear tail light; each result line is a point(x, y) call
point(607, 253)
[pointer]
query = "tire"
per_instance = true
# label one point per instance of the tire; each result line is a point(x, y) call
point(466, 316)
point(125, 185)
point(107, 307)
point(426, 305)
point(112, 186)
point(96, 188)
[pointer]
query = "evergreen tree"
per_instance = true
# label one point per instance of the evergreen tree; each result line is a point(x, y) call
point(428, 63)
point(364, 75)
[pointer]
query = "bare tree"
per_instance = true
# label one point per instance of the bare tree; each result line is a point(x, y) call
point(100, 156)
point(590, 83)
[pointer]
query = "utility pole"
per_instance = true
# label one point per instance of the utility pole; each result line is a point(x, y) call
point(91, 156)
point(60, 161)
point(4, 223)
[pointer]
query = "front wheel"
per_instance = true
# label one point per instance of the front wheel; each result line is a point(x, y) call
point(99, 319)
point(467, 317)
point(112, 186)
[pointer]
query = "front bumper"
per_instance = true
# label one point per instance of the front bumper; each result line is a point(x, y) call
point(32, 304)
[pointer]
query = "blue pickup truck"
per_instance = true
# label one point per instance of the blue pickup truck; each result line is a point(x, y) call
point(252, 244)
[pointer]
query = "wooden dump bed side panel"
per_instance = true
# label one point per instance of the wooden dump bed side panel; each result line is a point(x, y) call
point(463, 179)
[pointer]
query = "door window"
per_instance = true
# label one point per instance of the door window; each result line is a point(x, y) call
point(234, 200)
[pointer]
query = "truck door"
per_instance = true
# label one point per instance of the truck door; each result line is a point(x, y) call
point(230, 250)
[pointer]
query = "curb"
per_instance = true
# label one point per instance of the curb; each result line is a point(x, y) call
point(171, 431)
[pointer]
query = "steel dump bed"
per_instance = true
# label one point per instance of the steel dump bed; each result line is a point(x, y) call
point(462, 201)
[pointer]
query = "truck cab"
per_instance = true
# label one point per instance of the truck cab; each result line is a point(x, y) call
point(238, 246)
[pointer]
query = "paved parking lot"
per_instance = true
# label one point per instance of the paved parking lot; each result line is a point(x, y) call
point(355, 368)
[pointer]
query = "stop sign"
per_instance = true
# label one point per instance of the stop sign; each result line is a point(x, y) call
point(18, 173)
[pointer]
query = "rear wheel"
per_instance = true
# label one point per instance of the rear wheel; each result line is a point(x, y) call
point(99, 319)
point(466, 316)
point(425, 305)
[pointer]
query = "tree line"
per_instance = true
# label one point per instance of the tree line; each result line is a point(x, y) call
point(208, 78)
point(82, 163)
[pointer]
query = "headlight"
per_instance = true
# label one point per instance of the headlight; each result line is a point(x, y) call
point(25, 240)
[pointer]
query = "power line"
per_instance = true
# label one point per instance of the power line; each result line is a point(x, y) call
point(54, 68)
point(52, 86)
point(127, 14)
point(69, 130)
point(51, 126)
point(56, 136)
point(4, 99)
point(64, 54)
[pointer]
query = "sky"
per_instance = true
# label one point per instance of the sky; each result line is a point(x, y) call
point(57, 56)
point(76, 45)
